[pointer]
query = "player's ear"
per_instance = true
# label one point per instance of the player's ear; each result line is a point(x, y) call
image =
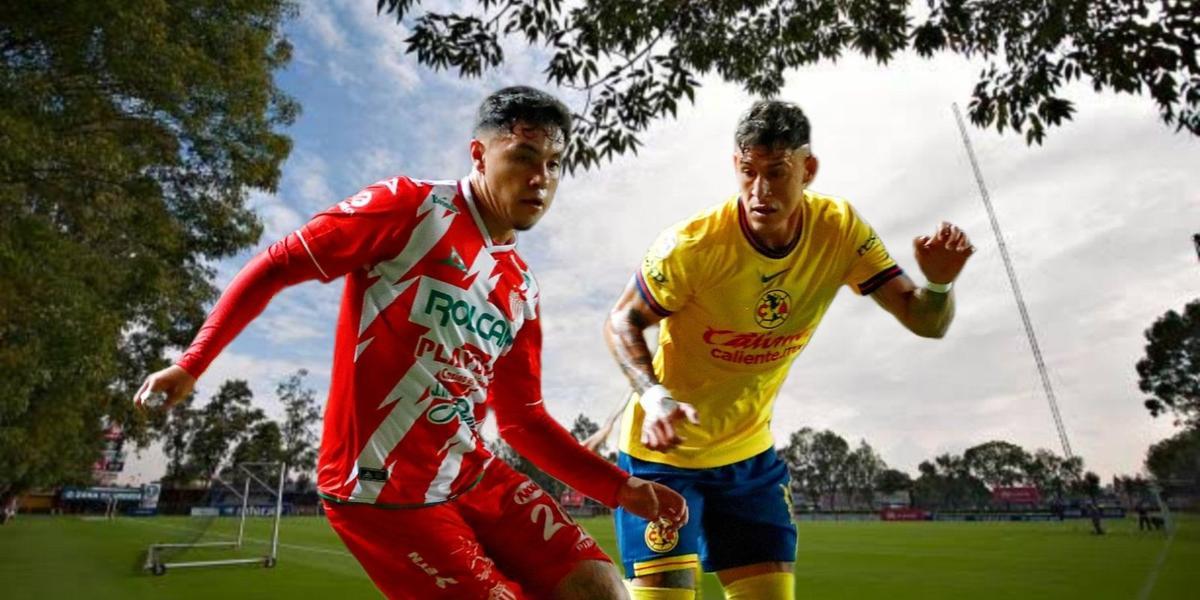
point(810, 168)
point(478, 150)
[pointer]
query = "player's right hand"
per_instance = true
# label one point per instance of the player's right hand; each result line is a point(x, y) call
point(172, 382)
point(653, 502)
point(662, 413)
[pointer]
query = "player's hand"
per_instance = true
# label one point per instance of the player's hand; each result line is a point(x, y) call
point(172, 382)
point(658, 433)
point(653, 502)
point(662, 414)
point(942, 255)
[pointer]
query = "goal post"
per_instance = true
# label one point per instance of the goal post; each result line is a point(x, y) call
point(250, 475)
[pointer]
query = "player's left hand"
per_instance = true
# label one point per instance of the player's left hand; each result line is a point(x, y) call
point(653, 502)
point(942, 255)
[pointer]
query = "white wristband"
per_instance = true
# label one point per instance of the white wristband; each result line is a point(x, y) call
point(657, 402)
point(939, 288)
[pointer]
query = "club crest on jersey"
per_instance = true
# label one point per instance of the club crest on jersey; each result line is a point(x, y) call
point(454, 260)
point(661, 539)
point(774, 307)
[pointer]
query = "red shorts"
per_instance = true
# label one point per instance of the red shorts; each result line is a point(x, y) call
point(505, 539)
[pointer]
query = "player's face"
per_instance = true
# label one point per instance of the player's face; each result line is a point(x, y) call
point(521, 168)
point(772, 181)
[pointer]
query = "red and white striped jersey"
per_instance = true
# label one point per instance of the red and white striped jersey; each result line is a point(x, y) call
point(431, 305)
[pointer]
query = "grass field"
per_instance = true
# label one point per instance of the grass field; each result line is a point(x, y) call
point(69, 557)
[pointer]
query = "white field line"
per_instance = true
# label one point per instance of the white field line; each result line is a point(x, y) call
point(141, 521)
point(1152, 576)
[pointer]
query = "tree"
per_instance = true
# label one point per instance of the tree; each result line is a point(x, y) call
point(797, 455)
point(862, 467)
point(634, 61)
point(891, 481)
point(1135, 489)
point(222, 424)
point(1088, 485)
point(300, 415)
point(583, 428)
point(817, 462)
point(1170, 371)
point(263, 444)
point(947, 483)
point(1051, 473)
point(130, 135)
point(182, 422)
point(1176, 460)
point(997, 463)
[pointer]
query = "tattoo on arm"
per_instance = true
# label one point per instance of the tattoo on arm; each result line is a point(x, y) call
point(628, 344)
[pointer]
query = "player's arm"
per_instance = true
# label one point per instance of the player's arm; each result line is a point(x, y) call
point(282, 264)
point(625, 333)
point(333, 243)
point(924, 311)
point(522, 420)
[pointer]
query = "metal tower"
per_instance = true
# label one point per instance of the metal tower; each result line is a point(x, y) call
point(1012, 279)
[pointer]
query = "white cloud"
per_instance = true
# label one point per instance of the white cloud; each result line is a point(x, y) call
point(308, 175)
point(279, 219)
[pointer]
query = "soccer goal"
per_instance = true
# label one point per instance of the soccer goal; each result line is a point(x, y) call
point(243, 482)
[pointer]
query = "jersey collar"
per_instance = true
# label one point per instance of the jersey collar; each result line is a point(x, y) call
point(744, 225)
point(464, 188)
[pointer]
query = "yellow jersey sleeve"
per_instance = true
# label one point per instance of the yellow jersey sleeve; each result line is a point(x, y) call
point(871, 265)
point(664, 278)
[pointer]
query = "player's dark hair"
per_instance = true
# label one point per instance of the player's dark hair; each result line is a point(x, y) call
point(522, 103)
point(772, 124)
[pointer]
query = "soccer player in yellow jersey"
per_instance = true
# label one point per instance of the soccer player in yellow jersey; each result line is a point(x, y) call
point(738, 290)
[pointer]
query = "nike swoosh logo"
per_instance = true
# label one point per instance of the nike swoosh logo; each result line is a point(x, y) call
point(768, 278)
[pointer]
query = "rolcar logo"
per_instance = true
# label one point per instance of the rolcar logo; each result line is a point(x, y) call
point(478, 321)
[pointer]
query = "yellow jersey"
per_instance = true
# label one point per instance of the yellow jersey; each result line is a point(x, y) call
point(736, 315)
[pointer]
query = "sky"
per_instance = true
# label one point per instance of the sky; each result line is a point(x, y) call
point(1098, 221)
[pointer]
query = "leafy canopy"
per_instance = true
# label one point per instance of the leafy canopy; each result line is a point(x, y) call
point(635, 60)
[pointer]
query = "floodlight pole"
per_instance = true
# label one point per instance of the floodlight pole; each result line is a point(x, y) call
point(1012, 279)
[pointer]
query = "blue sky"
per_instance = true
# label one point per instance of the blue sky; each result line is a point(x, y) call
point(1098, 221)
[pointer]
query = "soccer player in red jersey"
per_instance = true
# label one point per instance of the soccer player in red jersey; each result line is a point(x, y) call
point(440, 321)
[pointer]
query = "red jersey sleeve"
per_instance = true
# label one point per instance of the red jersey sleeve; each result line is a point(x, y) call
point(515, 394)
point(282, 264)
point(354, 233)
point(364, 228)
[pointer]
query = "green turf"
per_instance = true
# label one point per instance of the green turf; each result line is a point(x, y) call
point(67, 557)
